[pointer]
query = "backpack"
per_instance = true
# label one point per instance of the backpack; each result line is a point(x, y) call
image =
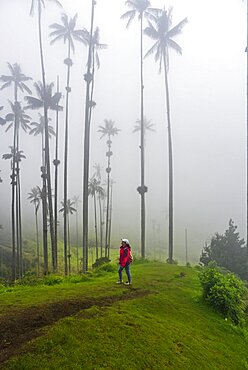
point(130, 257)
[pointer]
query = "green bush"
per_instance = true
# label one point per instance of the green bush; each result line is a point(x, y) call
point(224, 292)
point(101, 261)
point(52, 280)
point(107, 267)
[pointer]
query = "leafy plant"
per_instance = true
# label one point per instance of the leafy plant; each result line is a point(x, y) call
point(224, 292)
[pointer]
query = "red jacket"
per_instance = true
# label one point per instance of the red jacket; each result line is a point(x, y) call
point(124, 255)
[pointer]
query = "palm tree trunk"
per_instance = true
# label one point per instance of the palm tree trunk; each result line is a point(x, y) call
point(56, 163)
point(17, 225)
point(88, 79)
point(47, 155)
point(96, 226)
point(20, 221)
point(37, 241)
point(110, 217)
point(44, 220)
point(142, 150)
point(107, 213)
point(66, 158)
point(69, 247)
point(170, 162)
point(101, 224)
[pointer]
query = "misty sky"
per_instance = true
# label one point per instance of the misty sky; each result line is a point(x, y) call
point(208, 104)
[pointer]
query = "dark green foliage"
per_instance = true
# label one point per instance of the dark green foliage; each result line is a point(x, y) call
point(101, 261)
point(224, 292)
point(227, 250)
point(106, 267)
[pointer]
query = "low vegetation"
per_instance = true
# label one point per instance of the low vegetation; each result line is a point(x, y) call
point(159, 322)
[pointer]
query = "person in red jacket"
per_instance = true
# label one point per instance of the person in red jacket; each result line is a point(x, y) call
point(124, 261)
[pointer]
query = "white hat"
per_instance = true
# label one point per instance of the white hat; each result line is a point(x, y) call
point(125, 241)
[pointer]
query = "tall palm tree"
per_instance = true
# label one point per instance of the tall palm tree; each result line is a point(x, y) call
point(88, 80)
point(142, 9)
point(66, 32)
point(161, 31)
point(108, 130)
point(17, 79)
point(35, 197)
point(45, 97)
point(94, 189)
point(69, 209)
point(46, 173)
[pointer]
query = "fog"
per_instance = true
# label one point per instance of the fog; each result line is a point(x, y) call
point(208, 101)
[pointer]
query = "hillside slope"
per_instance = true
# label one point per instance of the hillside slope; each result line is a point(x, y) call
point(157, 323)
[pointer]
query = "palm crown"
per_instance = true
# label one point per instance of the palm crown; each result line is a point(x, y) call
point(161, 31)
point(39, 127)
point(18, 117)
point(40, 4)
point(96, 45)
point(17, 78)
point(66, 31)
point(68, 208)
point(52, 101)
point(108, 129)
point(139, 7)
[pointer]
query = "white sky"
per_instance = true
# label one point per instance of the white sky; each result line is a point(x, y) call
point(208, 100)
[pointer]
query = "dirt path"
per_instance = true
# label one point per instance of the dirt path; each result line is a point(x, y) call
point(19, 327)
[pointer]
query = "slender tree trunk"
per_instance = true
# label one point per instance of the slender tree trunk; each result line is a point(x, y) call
point(20, 221)
point(66, 158)
point(13, 180)
point(47, 155)
point(88, 79)
point(37, 241)
point(142, 149)
point(96, 226)
point(17, 225)
point(69, 246)
point(77, 241)
point(44, 219)
point(110, 217)
point(56, 164)
point(101, 225)
point(107, 213)
point(170, 162)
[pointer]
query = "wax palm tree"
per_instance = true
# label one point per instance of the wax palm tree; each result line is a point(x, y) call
point(46, 174)
point(108, 130)
point(66, 32)
point(142, 9)
point(17, 79)
point(46, 98)
point(35, 198)
point(88, 80)
point(2, 120)
point(69, 209)
point(162, 32)
point(148, 126)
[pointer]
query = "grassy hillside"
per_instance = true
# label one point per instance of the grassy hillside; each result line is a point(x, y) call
point(158, 323)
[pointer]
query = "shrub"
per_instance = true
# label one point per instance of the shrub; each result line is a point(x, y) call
point(107, 267)
point(224, 292)
point(101, 261)
point(52, 280)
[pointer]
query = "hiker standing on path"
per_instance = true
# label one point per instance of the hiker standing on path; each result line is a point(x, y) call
point(124, 261)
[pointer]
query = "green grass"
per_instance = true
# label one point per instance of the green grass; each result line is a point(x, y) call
point(170, 328)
